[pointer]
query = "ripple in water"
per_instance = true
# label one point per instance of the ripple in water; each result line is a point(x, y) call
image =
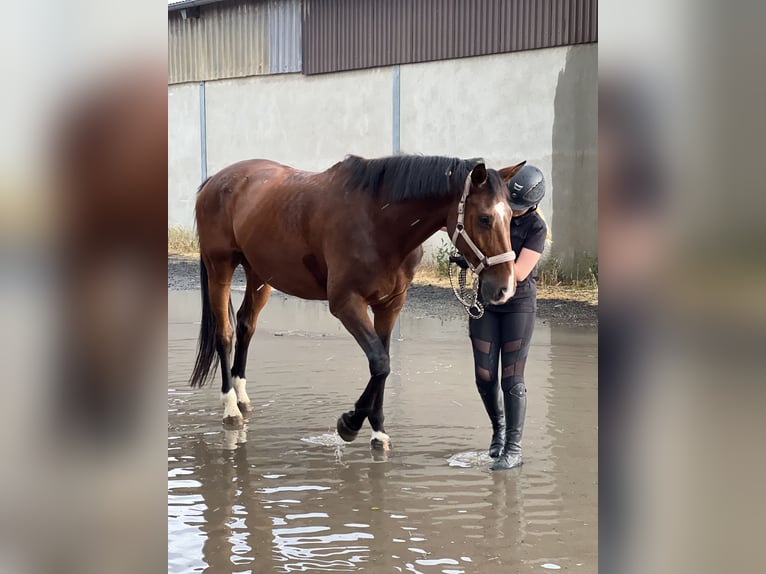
point(470, 459)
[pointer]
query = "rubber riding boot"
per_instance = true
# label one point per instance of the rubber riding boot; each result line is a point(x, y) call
point(489, 392)
point(515, 411)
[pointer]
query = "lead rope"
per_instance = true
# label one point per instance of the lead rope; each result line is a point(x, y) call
point(468, 296)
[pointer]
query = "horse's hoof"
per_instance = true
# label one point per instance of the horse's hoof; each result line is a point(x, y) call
point(233, 422)
point(344, 430)
point(245, 408)
point(380, 441)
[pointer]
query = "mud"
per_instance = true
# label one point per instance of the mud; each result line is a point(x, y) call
point(286, 495)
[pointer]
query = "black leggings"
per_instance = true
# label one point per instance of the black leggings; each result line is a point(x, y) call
point(505, 335)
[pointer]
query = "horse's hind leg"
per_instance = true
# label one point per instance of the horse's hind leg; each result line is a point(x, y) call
point(220, 272)
point(256, 296)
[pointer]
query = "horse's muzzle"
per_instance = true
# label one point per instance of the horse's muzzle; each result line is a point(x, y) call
point(496, 294)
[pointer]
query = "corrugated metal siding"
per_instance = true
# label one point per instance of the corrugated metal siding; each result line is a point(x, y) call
point(352, 34)
point(284, 36)
point(235, 39)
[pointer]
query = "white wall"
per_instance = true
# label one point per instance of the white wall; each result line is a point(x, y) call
point(309, 122)
point(184, 166)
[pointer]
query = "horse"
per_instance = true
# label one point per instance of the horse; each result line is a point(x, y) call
point(351, 235)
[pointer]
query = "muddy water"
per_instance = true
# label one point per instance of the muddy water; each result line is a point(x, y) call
point(286, 495)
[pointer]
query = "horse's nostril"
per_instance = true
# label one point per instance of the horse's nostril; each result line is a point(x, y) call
point(501, 293)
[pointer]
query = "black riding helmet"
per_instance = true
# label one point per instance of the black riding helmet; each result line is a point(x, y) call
point(527, 188)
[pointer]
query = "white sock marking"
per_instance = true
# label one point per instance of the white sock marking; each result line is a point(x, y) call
point(229, 402)
point(239, 385)
point(381, 436)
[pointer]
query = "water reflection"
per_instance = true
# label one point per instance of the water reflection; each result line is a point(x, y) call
point(286, 495)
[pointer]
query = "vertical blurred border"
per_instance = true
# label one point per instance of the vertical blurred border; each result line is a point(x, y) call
point(683, 305)
point(83, 188)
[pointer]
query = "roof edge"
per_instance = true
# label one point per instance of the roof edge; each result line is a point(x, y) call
point(180, 5)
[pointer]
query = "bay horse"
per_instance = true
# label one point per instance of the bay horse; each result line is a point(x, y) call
point(351, 235)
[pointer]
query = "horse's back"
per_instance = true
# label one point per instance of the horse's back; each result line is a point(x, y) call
point(273, 217)
point(229, 191)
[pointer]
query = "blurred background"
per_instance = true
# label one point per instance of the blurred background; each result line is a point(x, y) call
point(682, 298)
point(83, 203)
point(83, 206)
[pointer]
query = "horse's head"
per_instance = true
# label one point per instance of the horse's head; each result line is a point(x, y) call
point(482, 234)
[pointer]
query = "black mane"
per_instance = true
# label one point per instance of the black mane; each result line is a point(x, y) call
point(404, 177)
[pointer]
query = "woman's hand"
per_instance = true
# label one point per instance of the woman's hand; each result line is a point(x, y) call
point(459, 260)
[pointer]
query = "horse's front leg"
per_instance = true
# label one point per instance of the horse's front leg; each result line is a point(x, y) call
point(385, 319)
point(351, 309)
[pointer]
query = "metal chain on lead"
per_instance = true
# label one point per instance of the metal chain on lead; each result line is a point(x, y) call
point(467, 295)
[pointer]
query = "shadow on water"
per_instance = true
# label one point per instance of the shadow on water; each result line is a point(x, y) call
point(286, 495)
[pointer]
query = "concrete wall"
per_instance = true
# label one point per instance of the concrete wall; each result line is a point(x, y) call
point(309, 122)
point(184, 165)
point(574, 176)
point(538, 106)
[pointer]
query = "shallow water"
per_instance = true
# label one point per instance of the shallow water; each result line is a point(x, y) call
point(287, 495)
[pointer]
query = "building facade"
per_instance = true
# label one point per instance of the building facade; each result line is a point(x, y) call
point(306, 82)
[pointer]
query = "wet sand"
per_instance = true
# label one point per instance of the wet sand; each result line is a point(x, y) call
point(286, 495)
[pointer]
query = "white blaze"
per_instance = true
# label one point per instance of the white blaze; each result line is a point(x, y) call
point(501, 208)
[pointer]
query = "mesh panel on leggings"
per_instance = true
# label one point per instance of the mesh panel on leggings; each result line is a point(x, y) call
point(485, 360)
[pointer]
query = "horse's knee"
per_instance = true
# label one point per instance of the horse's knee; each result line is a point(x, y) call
point(380, 365)
point(245, 329)
point(245, 320)
point(223, 342)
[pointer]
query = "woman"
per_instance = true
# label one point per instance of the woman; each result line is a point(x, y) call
point(505, 331)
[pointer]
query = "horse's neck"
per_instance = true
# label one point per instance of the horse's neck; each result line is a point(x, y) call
point(409, 224)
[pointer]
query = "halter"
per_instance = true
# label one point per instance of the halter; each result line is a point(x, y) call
point(460, 231)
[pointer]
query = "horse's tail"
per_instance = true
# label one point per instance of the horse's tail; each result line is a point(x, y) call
point(207, 355)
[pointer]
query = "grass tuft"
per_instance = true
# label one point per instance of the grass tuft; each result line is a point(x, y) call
point(182, 241)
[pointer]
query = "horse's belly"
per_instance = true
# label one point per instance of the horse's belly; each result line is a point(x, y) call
point(302, 289)
point(295, 276)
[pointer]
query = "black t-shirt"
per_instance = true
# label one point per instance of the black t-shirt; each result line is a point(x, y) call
point(527, 232)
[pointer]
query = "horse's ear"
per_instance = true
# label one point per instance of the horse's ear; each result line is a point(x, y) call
point(479, 174)
point(508, 172)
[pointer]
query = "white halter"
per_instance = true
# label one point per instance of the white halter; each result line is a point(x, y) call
point(460, 231)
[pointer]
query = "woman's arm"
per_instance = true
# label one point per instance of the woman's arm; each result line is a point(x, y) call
point(525, 262)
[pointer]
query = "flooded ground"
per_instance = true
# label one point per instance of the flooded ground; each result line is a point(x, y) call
point(286, 495)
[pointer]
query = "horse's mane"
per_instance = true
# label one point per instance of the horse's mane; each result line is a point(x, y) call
point(404, 177)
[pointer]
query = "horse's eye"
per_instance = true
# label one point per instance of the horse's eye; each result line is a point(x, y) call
point(485, 221)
